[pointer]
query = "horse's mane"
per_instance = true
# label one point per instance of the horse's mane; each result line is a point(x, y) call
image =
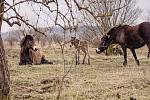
point(25, 39)
point(118, 27)
point(122, 26)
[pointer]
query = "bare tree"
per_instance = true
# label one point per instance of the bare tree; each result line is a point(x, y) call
point(107, 14)
point(16, 18)
point(52, 14)
point(147, 18)
point(4, 72)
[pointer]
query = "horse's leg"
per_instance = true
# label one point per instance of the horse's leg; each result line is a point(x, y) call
point(84, 56)
point(88, 58)
point(148, 45)
point(87, 50)
point(135, 57)
point(106, 52)
point(76, 57)
point(125, 55)
point(148, 53)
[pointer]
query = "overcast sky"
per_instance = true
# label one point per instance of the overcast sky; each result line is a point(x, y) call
point(143, 4)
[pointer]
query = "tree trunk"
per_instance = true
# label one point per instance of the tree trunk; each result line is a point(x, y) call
point(4, 72)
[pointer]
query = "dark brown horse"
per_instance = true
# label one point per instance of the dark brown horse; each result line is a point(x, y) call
point(26, 43)
point(132, 37)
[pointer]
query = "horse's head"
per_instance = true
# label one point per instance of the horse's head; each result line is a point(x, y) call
point(115, 35)
point(27, 42)
point(74, 41)
point(106, 40)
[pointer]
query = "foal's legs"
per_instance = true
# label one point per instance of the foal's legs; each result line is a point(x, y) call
point(125, 55)
point(78, 58)
point(85, 50)
point(85, 53)
point(84, 57)
point(88, 58)
point(135, 57)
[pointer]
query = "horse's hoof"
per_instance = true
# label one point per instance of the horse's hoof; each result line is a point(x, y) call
point(131, 98)
point(20, 63)
point(138, 63)
point(77, 63)
point(124, 63)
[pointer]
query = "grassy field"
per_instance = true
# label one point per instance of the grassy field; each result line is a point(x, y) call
point(104, 79)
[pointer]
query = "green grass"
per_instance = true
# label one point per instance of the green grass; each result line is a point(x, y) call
point(104, 79)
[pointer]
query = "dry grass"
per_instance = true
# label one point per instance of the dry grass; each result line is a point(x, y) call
point(104, 79)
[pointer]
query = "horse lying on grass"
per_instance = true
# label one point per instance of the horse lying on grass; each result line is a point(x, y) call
point(37, 57)
point(28, 55)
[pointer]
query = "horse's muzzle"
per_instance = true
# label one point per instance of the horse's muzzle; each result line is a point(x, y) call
point(98, 51)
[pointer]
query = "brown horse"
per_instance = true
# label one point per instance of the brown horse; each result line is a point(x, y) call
point(37, 57)
point(132, 37)
point(29, 55)
point(80, 45)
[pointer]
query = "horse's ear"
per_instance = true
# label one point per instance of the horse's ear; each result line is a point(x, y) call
point(118, 25)
point(108, 36)
point(33, 35)
point(73, 37)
